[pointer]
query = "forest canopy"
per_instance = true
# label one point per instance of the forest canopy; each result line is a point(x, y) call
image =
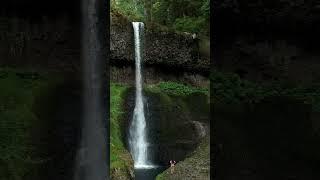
point(191, 16)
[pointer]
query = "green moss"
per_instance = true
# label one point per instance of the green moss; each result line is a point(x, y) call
point(175, 89)
point(160, 177)
point(120, 160)
point(116, 92)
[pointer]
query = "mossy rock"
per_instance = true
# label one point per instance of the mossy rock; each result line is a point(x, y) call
point(121, 161)
point(196, 166)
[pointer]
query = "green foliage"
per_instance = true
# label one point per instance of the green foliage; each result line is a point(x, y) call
point(230, 88)
point(205, 9)
point(160, 177)
point(133, 9)
point(189, 24)
point(160, 12)
point(176, 89)
point(183, 15)
point(180, 15)
point(116, 145)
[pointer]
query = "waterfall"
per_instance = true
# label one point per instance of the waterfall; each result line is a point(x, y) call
point(137, 132)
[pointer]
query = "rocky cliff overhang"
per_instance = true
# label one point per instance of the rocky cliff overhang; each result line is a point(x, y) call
point(163, 49)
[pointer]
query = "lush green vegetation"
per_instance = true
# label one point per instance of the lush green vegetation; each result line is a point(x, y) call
point(18, 119)
point(230, 88)
point(129, 8)
point(181, 15)
point(115, 114)
point(119, 156)
point(176, 89)
point(160, 176)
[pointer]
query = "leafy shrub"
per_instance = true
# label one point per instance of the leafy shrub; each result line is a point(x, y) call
point(177, 89)
point(187, 15)
point(205, 9)
point(161, 13)
point(189, 24)
point(129, 8)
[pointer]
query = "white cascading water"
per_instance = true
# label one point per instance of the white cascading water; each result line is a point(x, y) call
point(137, 132)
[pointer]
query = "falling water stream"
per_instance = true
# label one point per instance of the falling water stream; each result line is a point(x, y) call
point(137, 140)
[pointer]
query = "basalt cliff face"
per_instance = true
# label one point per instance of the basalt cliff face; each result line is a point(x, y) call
point(162, 48)
point(54, 41)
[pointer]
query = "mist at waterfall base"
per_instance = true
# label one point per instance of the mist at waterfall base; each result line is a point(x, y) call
point(138, 137)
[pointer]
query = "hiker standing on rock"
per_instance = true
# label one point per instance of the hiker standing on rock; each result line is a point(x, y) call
point(172, 163)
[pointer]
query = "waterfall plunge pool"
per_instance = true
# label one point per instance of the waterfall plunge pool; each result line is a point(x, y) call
point(148, 173)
